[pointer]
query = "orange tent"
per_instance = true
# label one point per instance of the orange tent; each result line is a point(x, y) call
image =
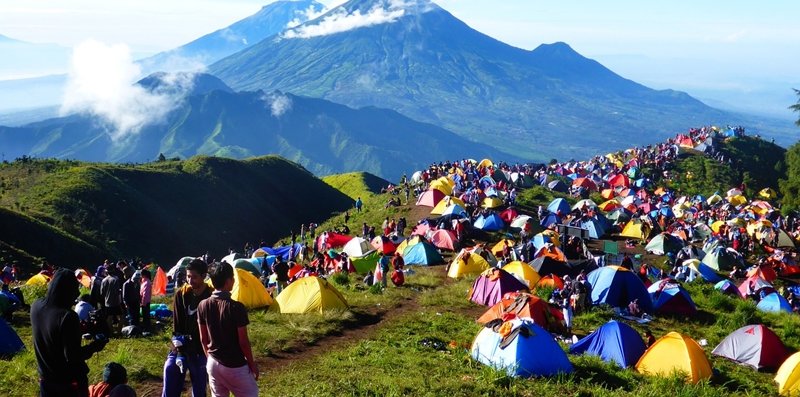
point(160, 282)
point(551, 280)
point(552, 251)
point(521, 304)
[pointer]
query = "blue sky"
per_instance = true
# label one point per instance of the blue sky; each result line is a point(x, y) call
point(739, 51)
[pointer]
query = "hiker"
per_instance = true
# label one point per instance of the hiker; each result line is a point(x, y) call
point(223, 333)
point(94, 290)
point(633, 308)
point(359, 204)
point(398, 278)
point(130, 296)
point(111, 291)
point(648, 335)
point(369, 279)
point(57, 340)
point(346, 216)
point(145, 296)
point(184, 319)
point(281, 270)
point(566, 308)
point(115, 379)
point(383, 265)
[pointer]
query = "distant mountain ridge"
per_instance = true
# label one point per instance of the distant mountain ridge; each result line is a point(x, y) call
point(271, 19)
point(322, 136)
point(430, 66)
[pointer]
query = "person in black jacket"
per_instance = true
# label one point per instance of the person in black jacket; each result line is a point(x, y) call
point(57, 340)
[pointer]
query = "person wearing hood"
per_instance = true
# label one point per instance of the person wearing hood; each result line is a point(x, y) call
point(57, 340)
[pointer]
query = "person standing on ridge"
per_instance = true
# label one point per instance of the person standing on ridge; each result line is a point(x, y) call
point(223, 333)
point(359, 204)
point(190, 354)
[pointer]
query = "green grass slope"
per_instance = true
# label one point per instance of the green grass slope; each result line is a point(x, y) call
point(162, 211)
point(356, 184)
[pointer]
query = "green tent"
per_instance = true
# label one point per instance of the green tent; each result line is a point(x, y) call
point(664, 243)
point(366, 263)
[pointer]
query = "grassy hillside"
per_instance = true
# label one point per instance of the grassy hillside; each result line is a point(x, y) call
point(356, 184)
point(162, 211)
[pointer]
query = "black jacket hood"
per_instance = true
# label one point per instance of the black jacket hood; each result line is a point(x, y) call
point(63, 289)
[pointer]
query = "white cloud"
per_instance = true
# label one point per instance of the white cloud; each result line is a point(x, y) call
point(308, 14)
point(341, 21)
point(277, 103)
point(101, 83)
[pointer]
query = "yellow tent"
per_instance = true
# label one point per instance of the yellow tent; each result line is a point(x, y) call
point(498, 248)
point(523, 272)
point(446, 202)
point(442, 184)
point(38, 279)
point(737, 200)
point(635, 228)
point(309, 295)
point(788, 376)
point(716, 198)
point(485, 163)
point(248, 290)
point(415, 239)
point(491, 202)
point(767, 193)
point(467, 263)
point(675, 352)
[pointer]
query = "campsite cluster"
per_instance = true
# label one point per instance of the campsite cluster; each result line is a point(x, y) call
point(542, 270)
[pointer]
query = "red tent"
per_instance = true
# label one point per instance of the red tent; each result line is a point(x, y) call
point(521, 304)
point(508, 215)
point(160, 282)
point(586, 183)
point(619, 180)
point(753, 345)
point(765, 272)
point(430, 198)
point(336, 240)
point(383, 244)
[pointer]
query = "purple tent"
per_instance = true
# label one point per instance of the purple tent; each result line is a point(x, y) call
point(492, 284)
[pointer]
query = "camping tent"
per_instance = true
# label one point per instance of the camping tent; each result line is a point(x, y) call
point(357, 247)
point(728, 287)
point(559, 206)
point(384, 245)
point(492, 284)
point(523, 272)
point(637, 229)
point(248, 290)
point(365, 263)
point(430, 198)
point(669, 297)
point(38, 279)
point(182, 263)
point(160, 282)
point(550, 281)
point(546, 265)
point(422, 253)
point(788, 376)
point(614, 342)
point(528, 350)
point(664, 243)
point(309, 295)
point(753, 345)
point(491, 222)
point(675, 352)
point(701, 270)
point(618, 286)
point(10, 343)
point(444, 239)
point(721, 258)
point(252, 265)
point(774, 302)
point(525, 305)
point(467, 263)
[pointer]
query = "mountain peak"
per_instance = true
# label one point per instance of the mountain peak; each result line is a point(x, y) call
point(185, 83)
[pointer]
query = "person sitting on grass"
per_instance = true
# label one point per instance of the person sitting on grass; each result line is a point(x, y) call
point(115, 379)
point(369, 279)
point(633, 308)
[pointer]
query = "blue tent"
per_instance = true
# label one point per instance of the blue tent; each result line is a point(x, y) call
point(540, 240)
point(558, 186)
point(10, 343)
point(550, 219)
point(422, 253)
point(491, 222)
point(529, 350)
point(670, 297)
point(617, 286)
point(559, 206)
point(705, 272)
point(283, 251)
point(597, 226)
point(614, 342)
point(455, 210)
point(774, 302)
